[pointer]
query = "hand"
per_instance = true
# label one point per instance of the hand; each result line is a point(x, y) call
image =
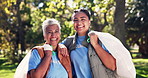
point(93, 38)
point(48, 49)
point(63, 50)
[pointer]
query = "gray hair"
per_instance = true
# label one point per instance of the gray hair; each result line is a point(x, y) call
point(49, 22)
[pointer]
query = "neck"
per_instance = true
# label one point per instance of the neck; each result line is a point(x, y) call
point(81, 34)
point(54, 48)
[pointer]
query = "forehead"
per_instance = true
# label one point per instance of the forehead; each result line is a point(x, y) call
point(52, 27)
point(80, 15)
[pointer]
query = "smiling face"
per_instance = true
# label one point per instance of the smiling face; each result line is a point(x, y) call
point(52, 34)
point(81, 23)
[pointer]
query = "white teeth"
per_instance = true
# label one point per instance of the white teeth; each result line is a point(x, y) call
point(53, 39)
point(80, 26)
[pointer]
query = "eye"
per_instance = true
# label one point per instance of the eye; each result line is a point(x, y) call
point(75, 20)
point(83, 19)
point(49, 32)
point(57, 31)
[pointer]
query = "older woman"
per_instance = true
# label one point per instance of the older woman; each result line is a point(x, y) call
point(45, 61)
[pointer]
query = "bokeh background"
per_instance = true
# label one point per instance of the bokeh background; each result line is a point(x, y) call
point(21, 20)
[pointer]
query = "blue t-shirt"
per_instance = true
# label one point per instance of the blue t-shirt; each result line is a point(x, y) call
point(80, 60)
point(56, 68)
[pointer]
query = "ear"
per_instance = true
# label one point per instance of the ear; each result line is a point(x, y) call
point(89, 22)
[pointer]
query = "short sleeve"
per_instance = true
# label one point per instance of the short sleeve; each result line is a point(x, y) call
point(105, 48)
point(34, 60)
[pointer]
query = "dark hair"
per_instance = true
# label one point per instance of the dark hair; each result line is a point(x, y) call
point(84, 11)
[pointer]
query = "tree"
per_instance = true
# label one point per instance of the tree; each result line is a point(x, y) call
point(119, 19)
point(13, 28)
point(102, 14)
point(8, 29)
point(137, 25)
point(22, 19)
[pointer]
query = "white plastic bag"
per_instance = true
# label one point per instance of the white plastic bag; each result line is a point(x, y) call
point(125, 67)
point(22, 69)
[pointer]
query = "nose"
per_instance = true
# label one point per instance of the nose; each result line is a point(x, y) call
point(53, 34)
point(79, 22)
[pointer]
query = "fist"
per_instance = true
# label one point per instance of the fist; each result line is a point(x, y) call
point(47, 47)
point(93, 38)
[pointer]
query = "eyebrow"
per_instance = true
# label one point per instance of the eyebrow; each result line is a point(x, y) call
point(51, 29)
point(81, 17)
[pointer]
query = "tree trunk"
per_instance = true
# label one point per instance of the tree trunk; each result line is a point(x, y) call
point(119, 24)
point(20, 30)
point(143, 48)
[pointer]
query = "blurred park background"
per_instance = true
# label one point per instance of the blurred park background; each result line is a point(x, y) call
point(20, 27)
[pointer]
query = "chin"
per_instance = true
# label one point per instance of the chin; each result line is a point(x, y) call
point(81, 31)
point(54, 43)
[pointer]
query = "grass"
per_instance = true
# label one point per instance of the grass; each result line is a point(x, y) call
point(141, 66)
point(7, 70)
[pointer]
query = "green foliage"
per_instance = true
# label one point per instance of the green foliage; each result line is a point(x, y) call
point(141, 67)
point(7, 70)
point(12, 28)
point(137, 25)
point(51, 10)
point(33, 38)
point(21, 28)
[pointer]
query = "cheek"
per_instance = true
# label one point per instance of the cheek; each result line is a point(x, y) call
point(75, 24)
point(47, 37)
point(59, 36)
point(87, 24)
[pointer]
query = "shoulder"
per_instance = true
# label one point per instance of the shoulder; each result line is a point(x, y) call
point(34, 55)
point(70, 37)
point(34, 51)
point(100, 33)
point(39, 49)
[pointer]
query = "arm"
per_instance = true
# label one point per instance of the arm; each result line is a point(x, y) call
point(41, 70)
point(108, 60)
